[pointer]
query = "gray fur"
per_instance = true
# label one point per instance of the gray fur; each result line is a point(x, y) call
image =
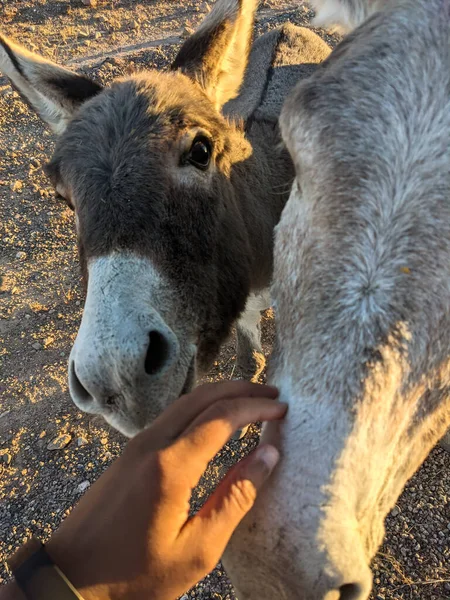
point(362, 297)
point(285, 56)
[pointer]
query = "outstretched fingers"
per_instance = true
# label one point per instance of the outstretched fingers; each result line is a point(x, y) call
point(218, 414)
point(209, 531)
point(206, 435)
point(180, 415)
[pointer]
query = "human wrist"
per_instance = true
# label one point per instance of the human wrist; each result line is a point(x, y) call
point(38, 576)
point(88, 570)
point(11, 591)
point(76, 569)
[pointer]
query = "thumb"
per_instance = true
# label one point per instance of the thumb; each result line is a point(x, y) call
point(215, 523)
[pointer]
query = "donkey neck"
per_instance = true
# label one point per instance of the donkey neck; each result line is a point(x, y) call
point(262, 186)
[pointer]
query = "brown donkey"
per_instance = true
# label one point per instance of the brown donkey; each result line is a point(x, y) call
point(175, 202)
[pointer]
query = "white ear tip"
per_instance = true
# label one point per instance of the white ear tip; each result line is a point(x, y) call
point(328, 12)
point(318, 21)
point(332, 26)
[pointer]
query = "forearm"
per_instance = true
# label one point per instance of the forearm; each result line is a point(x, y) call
point(11, 591)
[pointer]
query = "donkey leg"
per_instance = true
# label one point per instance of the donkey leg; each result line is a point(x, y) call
point(250, 358)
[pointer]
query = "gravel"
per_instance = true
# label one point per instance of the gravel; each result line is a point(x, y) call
point(49, 452)
point(60, 442)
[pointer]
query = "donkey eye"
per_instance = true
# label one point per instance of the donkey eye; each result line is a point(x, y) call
point(200, 153)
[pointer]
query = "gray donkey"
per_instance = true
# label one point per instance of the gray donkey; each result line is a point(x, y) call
point(362, 298)
point(175, 199)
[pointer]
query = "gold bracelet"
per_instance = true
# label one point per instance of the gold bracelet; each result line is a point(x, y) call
point(37, 575)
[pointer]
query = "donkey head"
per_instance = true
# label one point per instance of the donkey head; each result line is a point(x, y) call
point(363, 338)
point(362, 296)
point(147, 165)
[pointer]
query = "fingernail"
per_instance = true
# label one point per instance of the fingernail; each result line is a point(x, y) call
point(269, 455)
point(282, 405)
point(262, 464)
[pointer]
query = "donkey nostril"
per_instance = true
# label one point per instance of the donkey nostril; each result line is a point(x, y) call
point(350, 591)
point(110, 401)
point(157, 353)
point(77, 388)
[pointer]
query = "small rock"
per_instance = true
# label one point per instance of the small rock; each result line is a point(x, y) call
point(60, 442)
point(6, 458)
point(21, 255)
point(185, 597)
point(187, 31)
point(395, 511)
point(104, 441)
point(36, 346)
point(17, 186)
point(90, 3)
point(81, 441)
point(48, 341)
point(114, 61)
point(27, 316)
point(83, 486)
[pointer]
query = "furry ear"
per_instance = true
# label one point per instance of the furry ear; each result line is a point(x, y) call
point(52, 91)
point(345, 14)
point(216, 55)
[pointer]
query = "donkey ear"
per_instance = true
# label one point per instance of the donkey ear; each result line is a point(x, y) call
point(343, 15)
point(54, 92)
point(216, 55)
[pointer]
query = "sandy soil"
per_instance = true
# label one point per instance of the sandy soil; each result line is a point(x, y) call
point(41, 304)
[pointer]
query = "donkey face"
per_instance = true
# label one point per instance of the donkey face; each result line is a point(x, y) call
point(147, 165)
point(367, 233)
point(362, 296)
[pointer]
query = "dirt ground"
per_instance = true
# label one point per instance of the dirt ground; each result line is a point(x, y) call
point(41, 305)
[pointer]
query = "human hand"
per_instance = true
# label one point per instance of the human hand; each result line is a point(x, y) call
point(130, 537)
